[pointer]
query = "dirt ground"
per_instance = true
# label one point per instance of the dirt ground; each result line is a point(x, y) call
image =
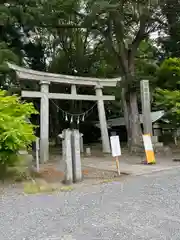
point(51, 175)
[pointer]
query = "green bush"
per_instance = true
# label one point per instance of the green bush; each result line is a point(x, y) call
point(16, 132)
point(169, 101)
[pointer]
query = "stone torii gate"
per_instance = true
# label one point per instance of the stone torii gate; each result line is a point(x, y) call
point(45, 79)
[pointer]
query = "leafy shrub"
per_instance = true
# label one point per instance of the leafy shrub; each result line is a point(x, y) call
point(15, 131)
point(169, 101)
point(168, 74)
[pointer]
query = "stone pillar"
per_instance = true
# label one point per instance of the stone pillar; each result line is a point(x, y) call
point(66, 137)
point(146, 107)
point(76, 157)
point(102, 121)
point(73, 89)
point(81, 143)
point(67, 152)
point(44, 122)
point(62, 137)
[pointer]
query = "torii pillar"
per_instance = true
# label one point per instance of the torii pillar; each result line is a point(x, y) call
point(44, 122)
point(102, 120)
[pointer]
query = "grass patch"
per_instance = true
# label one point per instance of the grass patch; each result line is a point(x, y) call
point(31, 188)
point(19, 173)
point(108, 180)
point(34, 188)
point(66, 189)
point(15, 174)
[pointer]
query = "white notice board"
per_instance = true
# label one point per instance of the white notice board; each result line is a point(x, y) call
point(147, 142)
point(115, 146)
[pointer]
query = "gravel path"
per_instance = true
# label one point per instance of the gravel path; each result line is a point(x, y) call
point(145, 207)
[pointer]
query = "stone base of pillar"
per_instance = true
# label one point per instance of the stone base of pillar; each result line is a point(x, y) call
point(156, 143)
point(154, 139)
point(160, 149)
point(163, 151)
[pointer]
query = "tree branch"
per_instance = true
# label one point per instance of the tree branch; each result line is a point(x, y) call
point(141, 34)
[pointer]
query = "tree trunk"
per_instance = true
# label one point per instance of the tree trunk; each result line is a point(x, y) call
point(132, 121)
point(126, 115)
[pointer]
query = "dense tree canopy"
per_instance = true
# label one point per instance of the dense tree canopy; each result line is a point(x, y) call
point(170, 40)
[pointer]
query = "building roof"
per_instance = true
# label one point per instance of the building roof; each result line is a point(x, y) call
point(116, 122)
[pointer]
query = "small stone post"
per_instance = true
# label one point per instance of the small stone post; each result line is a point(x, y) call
point(67, 155)
point(37, 154)
point(76, 157)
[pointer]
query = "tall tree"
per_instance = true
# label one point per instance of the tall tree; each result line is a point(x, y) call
point(171, 39)
point(98, 38)
point(78, 53)
point(124, 25)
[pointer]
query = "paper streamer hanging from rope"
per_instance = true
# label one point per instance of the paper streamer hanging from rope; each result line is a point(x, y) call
point(74, 116)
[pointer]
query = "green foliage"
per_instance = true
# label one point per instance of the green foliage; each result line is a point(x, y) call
point(83, 57)
point(15, 132)
point(98, 38)
point(169, 101)
point(146, 61)
point(34, 187)
point(167, 96)
point(170, 40)
point(6, 54)
point(169, 74)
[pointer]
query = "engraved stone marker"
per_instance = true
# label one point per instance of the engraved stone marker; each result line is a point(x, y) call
point(67, 155)
point(146, 107)
point(76, 157)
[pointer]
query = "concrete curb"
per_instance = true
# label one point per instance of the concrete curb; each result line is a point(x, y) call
point(140, 173)
point(155, 171)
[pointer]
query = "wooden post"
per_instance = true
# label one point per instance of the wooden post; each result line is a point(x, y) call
point(37, 154)
point(117, 165)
